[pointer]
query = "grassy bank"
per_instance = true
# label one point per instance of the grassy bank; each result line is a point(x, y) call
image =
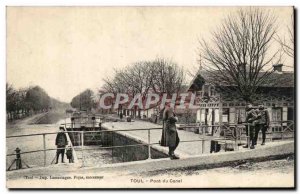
point(51, 118)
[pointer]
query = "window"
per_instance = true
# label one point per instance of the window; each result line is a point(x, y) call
point(212, 91)
point(290, 114)
point(240, 115)
point(276, 114)
point(199, 93)
point(225, 115)
point(205, 90)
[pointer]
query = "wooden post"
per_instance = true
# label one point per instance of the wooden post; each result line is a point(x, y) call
point(225, 128)
point(82, 144)
point(72, 134)
point(281, 125)
point(149, 147)
point(236, 144)
point(44, 146)
point(220, 113)
point(18, 159)
point(200, 121)
point(112, 149)
point(270, 128)
point(203, 144)
point(248, 139)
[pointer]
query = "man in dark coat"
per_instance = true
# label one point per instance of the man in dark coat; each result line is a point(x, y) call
point(263, 122)
point(251, 117)
point(169, 129)
point(61, 142)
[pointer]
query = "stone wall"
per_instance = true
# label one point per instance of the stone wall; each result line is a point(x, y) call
point(132, 152)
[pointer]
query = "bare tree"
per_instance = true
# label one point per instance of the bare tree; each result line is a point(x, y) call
point(239, 53)
point(168, 77)
point(158, 76)
point(132, 80)
point(287, 43)
point(138, 78)
point(115, 85)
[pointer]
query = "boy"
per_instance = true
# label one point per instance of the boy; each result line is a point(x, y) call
point(70, 154)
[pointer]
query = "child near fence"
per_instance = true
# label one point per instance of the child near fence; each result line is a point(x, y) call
point(69, 154)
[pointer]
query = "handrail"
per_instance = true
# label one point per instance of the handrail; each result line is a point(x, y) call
point(102, 131)
point(76, 123)
point(82, 148)
point(110, 147)
point(144, 142)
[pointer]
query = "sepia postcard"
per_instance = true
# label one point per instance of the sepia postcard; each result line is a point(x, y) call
point(150, 97)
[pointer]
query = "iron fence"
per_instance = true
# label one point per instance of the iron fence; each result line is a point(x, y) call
point(230, 134)
point(80, 143)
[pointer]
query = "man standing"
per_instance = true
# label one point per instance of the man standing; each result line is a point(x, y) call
point(263, 123)
point(61, 142)
point(169, 129)
point(251, 117)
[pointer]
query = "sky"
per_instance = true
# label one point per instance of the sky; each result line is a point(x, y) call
point(66, 50)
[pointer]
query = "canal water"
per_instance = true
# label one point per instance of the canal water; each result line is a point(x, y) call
point(30, 143)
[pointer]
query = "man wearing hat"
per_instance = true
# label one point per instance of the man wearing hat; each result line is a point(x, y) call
point(263, 122)
point(251, 117)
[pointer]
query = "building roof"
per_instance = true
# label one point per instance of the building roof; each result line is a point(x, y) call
point(282, 79)
point(276, 79)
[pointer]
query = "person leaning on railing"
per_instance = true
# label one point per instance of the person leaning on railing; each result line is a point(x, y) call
point(61, 142)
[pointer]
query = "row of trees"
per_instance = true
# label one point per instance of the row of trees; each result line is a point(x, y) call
point(84, 100)
point(24, 102)
point(158, 76)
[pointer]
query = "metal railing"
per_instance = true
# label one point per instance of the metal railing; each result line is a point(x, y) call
point(82, 147)
point(91, 121)
point(235, 132)
point(231, 134)
point(239, 129)
point(278, 127)
point(75, 125)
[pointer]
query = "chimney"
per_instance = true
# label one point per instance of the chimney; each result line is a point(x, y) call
point(278, 67)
